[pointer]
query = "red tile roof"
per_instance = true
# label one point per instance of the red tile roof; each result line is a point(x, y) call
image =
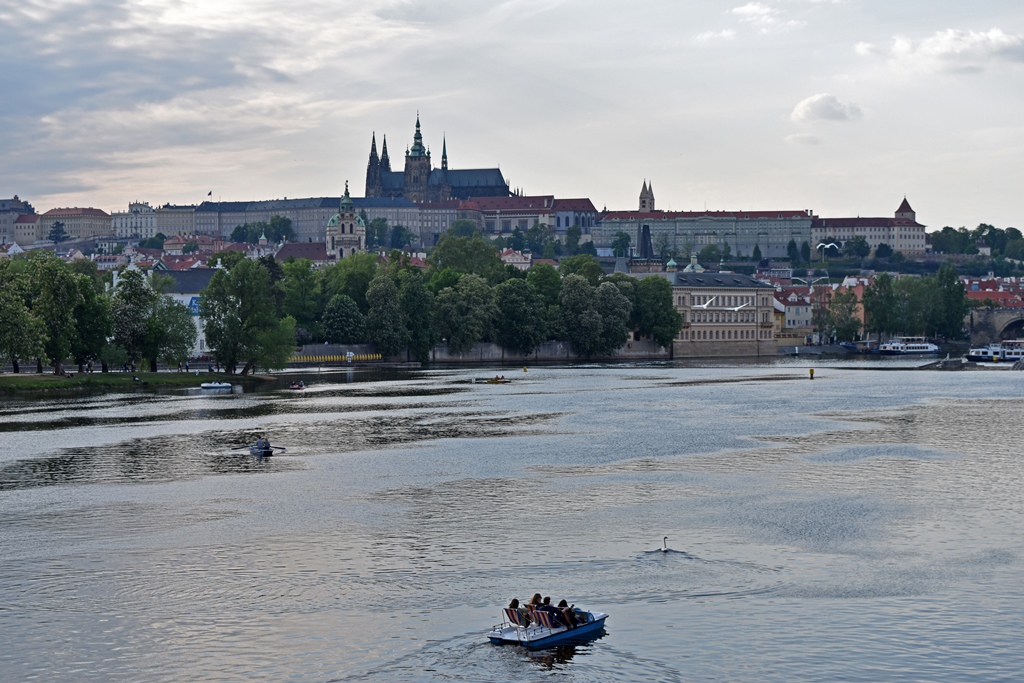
point(541, 203)
point(582, 204)
point(27, 218)
point(904, 207)
point(76, 212)
point(738, 215)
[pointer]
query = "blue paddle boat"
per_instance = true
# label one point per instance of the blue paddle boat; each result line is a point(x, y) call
point(541, 631)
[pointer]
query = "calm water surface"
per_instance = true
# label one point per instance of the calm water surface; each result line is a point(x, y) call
point(866, 526)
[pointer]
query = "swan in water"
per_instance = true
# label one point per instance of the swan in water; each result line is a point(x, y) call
point(664, 544)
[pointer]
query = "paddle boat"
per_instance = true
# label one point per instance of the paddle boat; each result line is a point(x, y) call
point(222, 386)
point(544, 631)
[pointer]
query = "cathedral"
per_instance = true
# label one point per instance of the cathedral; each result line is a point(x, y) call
point(420, 182)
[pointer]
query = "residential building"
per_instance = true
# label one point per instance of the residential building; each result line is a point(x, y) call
point(516, 258)
point(27, 229)
point(902, 232)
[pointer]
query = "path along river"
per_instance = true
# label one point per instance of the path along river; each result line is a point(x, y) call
point(864, 526)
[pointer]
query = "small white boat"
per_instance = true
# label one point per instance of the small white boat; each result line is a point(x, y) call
point(545, 632)
point(215, 385)
point(904, 346)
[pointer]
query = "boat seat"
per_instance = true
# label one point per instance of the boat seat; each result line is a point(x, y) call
point(514, 617)
point(544, 619)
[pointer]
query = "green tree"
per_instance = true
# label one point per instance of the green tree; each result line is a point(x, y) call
point(584, 265)
point(189, 247)
point(883, 251)
point(657, 316)
point(627, 285)
point(57, 232)
point(573, 235)
point(343, 322)
point(614, 309)
point(620, 244)
point(417, 304)
point(793, 251)
point(472, 254)
point(520, 324)
point(385, 322)
point(582, 321)
point(22, 335)
point(756, 255)
point(545, 280)
point(442, 279)
point(536, 236)
point(93, 323)
point(227, 259)
point(55, 296)
point(170, 333)
point(954, 302)
point(130, 310)
point(465, 314)
point(351, 276)
point(710, 254)
point(880, 305)
point(805, 251)
point(842, 312)
point(241, 324)
point(378, 233)
point(302, 293)
point(157, 241)
point(463, 228)
point(857, 247)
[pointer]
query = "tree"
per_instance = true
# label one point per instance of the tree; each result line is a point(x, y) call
point(463, 228)
point(580, 317)
point(302, 294)
point(157, 241)
point(93, 324)
point(55, 296)
point(662, 245)
point(620, 244)
point(442, 279)
point(385, 323)
point(227, 259)
point(857, 247)
point(520, 324)
point(573, 234)
point(401, 237)
point(417, 304)
point(241, 324)
point(614, 309)
point(351, 276)
point(657, 316)
point(377, 233)
point(793, 251)
point(805, 251)
point(883, 250)
point(954, 302)
point(465, 314)
point(545, 280)
point(130, 310)
point(170, 333)
point(57, 232)
point(880, 305)
point(588, 248)
point(22, 335)
point(343, 321)
point(189, 247)
point(709, 254)
point(842, 314)
point(536, 236)
point(756, 255)
point(627, 285)
point(583, 265)
point(472, 254)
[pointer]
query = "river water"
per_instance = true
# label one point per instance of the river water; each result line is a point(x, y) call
point(864, 526)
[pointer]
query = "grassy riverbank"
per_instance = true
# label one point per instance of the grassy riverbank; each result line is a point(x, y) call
point(27, 383)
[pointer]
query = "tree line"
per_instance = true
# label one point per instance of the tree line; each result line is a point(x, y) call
point(931, 306)
point(53, 313)
point(255, 311)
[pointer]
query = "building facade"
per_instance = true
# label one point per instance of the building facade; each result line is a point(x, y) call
point(79, 223)
point(174, 220)
point(420, 182)
point(902, 232)
point(687, 232)
point(138, 222)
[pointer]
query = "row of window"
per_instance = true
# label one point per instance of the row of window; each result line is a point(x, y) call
point(723, 335)
point(722, 316)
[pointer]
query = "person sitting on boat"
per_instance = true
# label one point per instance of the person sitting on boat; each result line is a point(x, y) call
point(568, 613)
point(521, 610)
point(266, 443)
point(556, 614)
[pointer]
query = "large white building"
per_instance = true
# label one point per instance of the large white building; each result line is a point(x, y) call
point(902, 232)
point(139, 221)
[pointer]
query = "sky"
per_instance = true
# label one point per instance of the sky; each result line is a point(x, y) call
point(839, 106)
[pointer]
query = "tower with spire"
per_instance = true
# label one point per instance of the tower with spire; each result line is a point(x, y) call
point(346, 232)
point(417, 168)
point(647, 197)
point(374, 186)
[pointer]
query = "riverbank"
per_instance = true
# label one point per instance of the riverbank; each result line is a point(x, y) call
point(31, 383)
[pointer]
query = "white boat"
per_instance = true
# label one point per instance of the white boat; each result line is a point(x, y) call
point(1008, 351)
point(215, 385)
point(902, 346)
point(545, 632)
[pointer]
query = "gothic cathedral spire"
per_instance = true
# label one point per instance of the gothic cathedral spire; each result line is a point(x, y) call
point(444, 153)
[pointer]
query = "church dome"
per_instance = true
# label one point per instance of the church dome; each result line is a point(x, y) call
point(333, 223)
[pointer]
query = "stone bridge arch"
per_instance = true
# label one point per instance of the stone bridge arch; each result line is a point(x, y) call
point(989, 325)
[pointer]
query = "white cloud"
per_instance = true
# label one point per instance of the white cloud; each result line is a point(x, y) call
point(865, 49)
point(957, 51)
point(764, 17)
point(803, 139)
point(824, 107)
point(708, 36)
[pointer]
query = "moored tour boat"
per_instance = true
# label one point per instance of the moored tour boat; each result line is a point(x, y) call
point(545, 633)
point(903, 346)
point(1010, 350)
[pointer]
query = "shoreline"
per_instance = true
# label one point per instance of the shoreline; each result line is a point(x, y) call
point(32, 383)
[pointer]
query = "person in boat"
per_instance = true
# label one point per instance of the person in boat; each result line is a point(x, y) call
point(521, 610)
point(556, 614)
point(568, 614)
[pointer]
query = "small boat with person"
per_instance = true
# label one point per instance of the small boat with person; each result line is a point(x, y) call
point(906, 346)
point(216, 386)
point(540, 629)
point(260, 449)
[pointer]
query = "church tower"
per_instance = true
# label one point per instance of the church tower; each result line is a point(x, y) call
point(647, 197)
point(906, 212)
point(417, 168)
point(374, 186)
point(346, 233)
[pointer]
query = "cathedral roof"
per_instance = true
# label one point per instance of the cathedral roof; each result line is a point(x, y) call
point(468, 177)
point(905, 207)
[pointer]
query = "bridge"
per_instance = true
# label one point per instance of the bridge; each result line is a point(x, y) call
point(989, 325)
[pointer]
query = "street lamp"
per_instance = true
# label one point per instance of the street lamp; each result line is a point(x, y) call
point(823, 246)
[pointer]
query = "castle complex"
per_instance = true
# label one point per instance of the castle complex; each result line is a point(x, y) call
point(420, 182)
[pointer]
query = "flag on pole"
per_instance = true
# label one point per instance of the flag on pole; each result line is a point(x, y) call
point(210, 193)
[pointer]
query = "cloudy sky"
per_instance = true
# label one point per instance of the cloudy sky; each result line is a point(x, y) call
point(840, 106)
